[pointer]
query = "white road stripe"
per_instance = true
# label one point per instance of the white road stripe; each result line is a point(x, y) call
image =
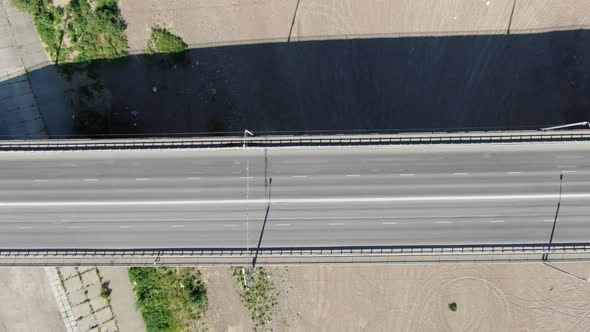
point(568, 171)
point(246, 177)
point(336, 224)
point(283, 225)
point(548, 220)
point(41, 180)
point(496, 221)
point(141, 179)
point(230, 225)
point(389, 223)
point(460, 173)
point(74, 226)
point(513, 172)
point(443, 222)
point(406, 174)
point(88, 180)
point(352, 175)
point(304, 200)
point(193, 178)
point(299, 176)
point(126, 226)
point(177, 226)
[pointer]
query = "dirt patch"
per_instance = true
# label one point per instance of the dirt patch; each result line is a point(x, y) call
point(497, 297)
point(208, 21)
point(225, 310)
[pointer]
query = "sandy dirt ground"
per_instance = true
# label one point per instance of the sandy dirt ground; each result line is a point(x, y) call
point(224, 22)
point(206, 22)
point(225, 311)
point(27, 303)
point(490, 297)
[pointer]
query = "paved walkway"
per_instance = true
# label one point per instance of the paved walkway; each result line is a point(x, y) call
point(32, 103)
point(26, 302)
point(19, 111)
point(123, 299)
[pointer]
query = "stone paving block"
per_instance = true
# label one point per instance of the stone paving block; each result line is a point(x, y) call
point(68, 272)
point(77, 296)
point(93, 291)
point(82, 310)
point(89, 278)
point(109, 326)
point(87, 323)
point(98, 303)
point(103, 315)
point(72, 284)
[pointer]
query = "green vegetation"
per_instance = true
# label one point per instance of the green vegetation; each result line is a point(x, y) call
point(259, 296)
point(169, 299)
point(453, 306)
point(105, 291)
point(164, 41)
point(76, 32)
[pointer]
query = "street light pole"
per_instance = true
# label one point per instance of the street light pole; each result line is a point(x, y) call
point(546, 256)
point(246, 132)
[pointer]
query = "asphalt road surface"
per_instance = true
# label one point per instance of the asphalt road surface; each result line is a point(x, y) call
point(451, 194)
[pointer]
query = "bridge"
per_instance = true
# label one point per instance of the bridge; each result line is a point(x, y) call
point(259, 197)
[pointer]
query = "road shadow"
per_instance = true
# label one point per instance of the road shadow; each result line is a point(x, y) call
point(523, 81)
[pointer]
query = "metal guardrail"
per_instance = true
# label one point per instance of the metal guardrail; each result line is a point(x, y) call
point(426, 250)
point(185, 143)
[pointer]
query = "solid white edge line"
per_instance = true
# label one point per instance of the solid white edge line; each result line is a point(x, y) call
point(303, 200)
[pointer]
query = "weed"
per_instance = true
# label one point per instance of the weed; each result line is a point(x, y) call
point(259, 296)
point(164, 41)
point(169, 298)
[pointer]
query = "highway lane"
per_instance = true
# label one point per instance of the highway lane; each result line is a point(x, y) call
point(319, 196)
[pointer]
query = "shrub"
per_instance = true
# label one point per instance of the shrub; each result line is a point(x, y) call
point(169, 298)
point(453, 306)
point(164, 41)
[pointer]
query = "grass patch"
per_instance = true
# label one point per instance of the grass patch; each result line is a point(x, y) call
point(76, 32)
point(453, 306)
point(169, 299)
point(260, 297)
point(163, 41)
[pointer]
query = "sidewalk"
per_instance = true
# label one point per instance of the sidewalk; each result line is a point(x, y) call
point(32, 103)
point(123, 299)
point(19, 111)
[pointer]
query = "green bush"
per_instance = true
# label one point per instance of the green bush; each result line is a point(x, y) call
point(164, 41)
point(453, 306)
point(90, 34)
point(169, 298)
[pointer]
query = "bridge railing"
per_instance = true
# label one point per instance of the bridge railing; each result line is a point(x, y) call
point(269, 141)
point(470, 249)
